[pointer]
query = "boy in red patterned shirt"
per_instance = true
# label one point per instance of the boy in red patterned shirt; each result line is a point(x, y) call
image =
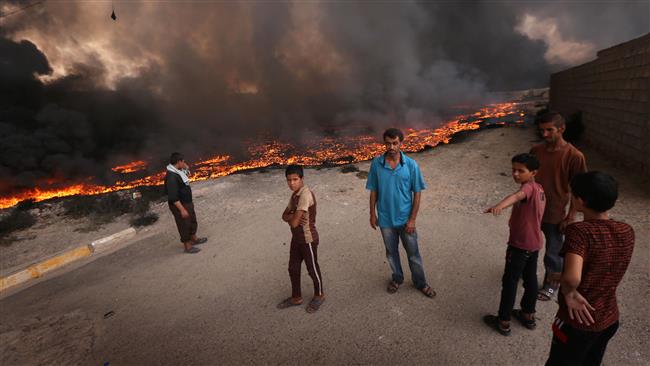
point(597, 253)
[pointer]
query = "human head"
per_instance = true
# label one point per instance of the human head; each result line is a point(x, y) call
point(551, 126)
point(393, 138)
point(178, 160)
point(524, 167)
point(294, 175)
point(596, 191)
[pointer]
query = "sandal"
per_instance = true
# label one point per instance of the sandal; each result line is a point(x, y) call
point(392, 287)
point(287, 303)
point(546, 294)
point(315, 304)
point(519, 315)
point(192, 250)
point(428, 291)
point(493, 322)
point(200, 241)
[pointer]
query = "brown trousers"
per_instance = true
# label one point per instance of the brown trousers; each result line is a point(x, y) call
point(308, 253)
point(186, 227)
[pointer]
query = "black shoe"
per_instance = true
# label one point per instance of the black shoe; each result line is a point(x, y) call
point(519, 315)
point(494, 323)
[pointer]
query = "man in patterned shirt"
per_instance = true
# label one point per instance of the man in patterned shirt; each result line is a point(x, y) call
point(597, 253)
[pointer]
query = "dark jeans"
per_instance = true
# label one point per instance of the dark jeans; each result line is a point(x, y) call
point(519, 264)
point(553, 262)
point(572, 346)
point(186, 227)
point(391, 236)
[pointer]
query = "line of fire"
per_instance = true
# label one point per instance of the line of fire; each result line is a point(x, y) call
point(261, 154)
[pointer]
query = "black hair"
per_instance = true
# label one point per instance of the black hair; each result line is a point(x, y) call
point(394, 132)
point(598, 190)
point(529, 160)
point(175, 158)
point(552, 116)
point(294, 169)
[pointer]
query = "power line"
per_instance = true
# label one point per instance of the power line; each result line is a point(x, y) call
point(22, 9)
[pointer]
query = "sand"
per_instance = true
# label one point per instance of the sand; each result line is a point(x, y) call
point(218, 307)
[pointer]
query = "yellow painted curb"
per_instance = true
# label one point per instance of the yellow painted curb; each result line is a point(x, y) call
point(37, 270)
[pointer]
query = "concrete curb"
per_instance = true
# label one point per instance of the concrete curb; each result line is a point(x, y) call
point(39, 269)
point(103, 243)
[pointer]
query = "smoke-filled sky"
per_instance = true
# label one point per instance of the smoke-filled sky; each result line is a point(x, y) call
point(80, 93)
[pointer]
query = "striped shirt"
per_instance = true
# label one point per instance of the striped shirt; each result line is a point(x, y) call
point(304, 200)
point(606, 248)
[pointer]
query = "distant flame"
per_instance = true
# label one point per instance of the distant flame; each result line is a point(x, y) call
point(130, 167)
point(339, 151)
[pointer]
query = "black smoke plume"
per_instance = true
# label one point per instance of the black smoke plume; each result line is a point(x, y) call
point(81, 92)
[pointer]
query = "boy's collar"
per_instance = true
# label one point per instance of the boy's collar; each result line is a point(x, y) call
point(298, 192)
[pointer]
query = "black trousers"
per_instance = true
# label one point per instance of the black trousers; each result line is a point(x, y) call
point(572, 346)
point(519, 264)
point(186, 227)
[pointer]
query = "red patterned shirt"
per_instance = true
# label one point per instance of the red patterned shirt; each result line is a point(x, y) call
point(606, 248)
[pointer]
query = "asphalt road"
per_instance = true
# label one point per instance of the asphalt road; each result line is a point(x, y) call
point(150, 304)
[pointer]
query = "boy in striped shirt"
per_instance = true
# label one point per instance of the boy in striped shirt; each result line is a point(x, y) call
point(597, 252)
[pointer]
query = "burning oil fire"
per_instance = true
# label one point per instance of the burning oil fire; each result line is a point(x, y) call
point(337, 151)
point(130, 167)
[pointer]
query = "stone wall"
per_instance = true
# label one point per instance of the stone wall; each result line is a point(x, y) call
point(613, 94)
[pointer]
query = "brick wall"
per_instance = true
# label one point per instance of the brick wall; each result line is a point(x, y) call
point(613, 94)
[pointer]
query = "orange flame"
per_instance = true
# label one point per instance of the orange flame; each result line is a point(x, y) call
point(338, 151)
point(130, 167)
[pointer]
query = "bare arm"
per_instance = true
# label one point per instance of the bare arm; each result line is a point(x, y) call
point(373, 213)
point(416, 206)
point(295, 219)
point(410, 224)
point(506, 202)
point(578, 165)
point(570, 217)
point(183, 211)
point(577, 305)
point(286, 215)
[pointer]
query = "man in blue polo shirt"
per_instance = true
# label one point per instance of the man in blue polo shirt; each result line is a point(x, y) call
point(395, 184)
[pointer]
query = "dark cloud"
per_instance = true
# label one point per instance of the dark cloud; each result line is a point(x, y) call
point(202, 77)
point(65, 130)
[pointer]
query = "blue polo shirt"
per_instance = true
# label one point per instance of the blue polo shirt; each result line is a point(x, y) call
point(395, 188)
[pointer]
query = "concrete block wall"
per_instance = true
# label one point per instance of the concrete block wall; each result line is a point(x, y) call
point(613, 94)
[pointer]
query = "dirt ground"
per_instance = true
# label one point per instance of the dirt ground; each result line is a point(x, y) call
point(151, 304)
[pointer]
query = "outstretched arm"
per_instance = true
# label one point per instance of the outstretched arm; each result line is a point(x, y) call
point(506, 202)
